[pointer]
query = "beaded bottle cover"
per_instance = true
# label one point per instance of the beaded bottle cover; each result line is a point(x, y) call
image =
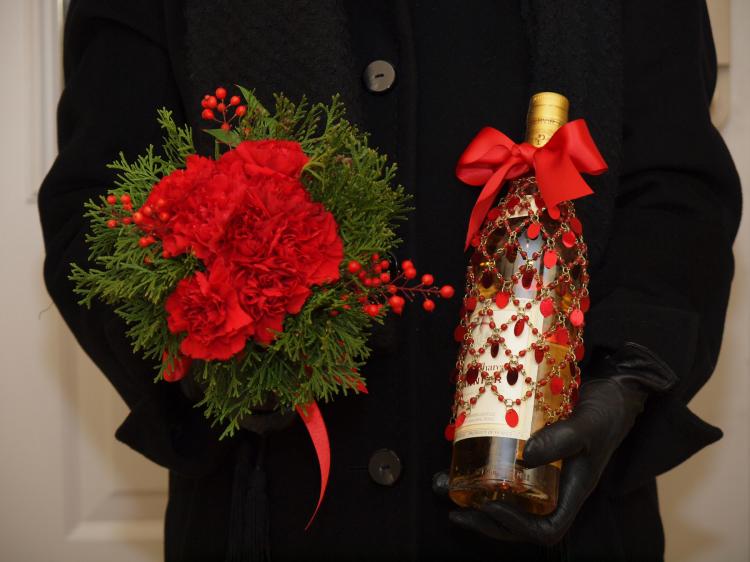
point(522, 319)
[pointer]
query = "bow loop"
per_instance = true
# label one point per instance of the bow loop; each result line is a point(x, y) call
point(492, 158)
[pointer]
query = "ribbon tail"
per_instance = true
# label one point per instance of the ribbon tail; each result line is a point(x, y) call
point(316, 427)
point(485, 200)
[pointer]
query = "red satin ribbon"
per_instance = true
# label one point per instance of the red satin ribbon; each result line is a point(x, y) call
point(491, 158)
point(316, 427)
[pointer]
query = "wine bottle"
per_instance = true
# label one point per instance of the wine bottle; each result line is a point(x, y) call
point(520, 334)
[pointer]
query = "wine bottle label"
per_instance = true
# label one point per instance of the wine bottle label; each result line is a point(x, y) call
point(489, 416)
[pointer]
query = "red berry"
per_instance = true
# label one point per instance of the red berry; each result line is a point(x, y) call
point(225, 126)
point(127, 220)
point(392, 289)
point(353, 266)
point(240, 111)
point(221, 107)
point(137, 217)
point(111, 223)
point(376, 281)
point(207, 114)
point(396, 301)
point(125, 199)
point(385, 277)
point(221, 93)
point(428, 305)
point(111, 199)
point(368, 282)
point(210, 101)
point(235, 100)
point(164, 216)
point(385, 264)
point(148, 211)
point(410, 273)
point(446, 291)
point(166, 255)
point(407, 264)
point(427, 279)
point(144, 241)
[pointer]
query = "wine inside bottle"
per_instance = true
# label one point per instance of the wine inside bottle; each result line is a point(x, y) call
point(513, 366)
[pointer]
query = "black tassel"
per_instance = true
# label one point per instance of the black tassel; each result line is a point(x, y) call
point(249, 539)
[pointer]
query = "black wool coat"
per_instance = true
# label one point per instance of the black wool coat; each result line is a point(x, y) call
point(660, 230)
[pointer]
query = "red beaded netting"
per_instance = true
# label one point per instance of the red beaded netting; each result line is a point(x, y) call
point(553, 278)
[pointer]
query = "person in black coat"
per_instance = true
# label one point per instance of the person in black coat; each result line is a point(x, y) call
point(659, 228)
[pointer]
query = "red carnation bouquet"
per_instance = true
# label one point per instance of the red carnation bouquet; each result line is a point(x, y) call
point(268, 263)
point(264, 244)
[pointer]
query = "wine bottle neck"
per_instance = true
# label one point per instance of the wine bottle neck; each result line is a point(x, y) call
point(548, 112)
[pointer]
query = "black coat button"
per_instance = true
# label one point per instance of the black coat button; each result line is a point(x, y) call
point(385, 467)
point(379, 76)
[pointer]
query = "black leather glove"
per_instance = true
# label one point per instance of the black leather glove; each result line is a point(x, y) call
point(609, 403)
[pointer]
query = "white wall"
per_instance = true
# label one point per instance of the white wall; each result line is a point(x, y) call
point(68, 491)
point(705, 501)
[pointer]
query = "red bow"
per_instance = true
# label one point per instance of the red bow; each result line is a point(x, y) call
point(491, 158)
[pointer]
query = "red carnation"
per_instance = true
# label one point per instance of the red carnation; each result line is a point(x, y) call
point(268, 296)
point(281, 228)
point(249, 211)
point(282, 244)
point(188, 209)
point(267, 157)
point(207, 308)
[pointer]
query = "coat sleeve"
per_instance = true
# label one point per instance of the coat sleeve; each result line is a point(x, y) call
point(117, 74)
point(668, 265)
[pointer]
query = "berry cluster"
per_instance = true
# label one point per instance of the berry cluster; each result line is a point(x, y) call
point(375, 287)
point(218, 102)
point(121, 213)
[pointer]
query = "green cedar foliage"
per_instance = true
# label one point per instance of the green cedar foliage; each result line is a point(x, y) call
point(319, 353)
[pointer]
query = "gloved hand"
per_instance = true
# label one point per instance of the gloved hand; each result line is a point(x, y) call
point(609, 403)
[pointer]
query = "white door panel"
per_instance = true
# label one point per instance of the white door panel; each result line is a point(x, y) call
point(70, 492)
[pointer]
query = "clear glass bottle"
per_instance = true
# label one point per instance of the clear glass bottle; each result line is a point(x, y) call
point(520, 337)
